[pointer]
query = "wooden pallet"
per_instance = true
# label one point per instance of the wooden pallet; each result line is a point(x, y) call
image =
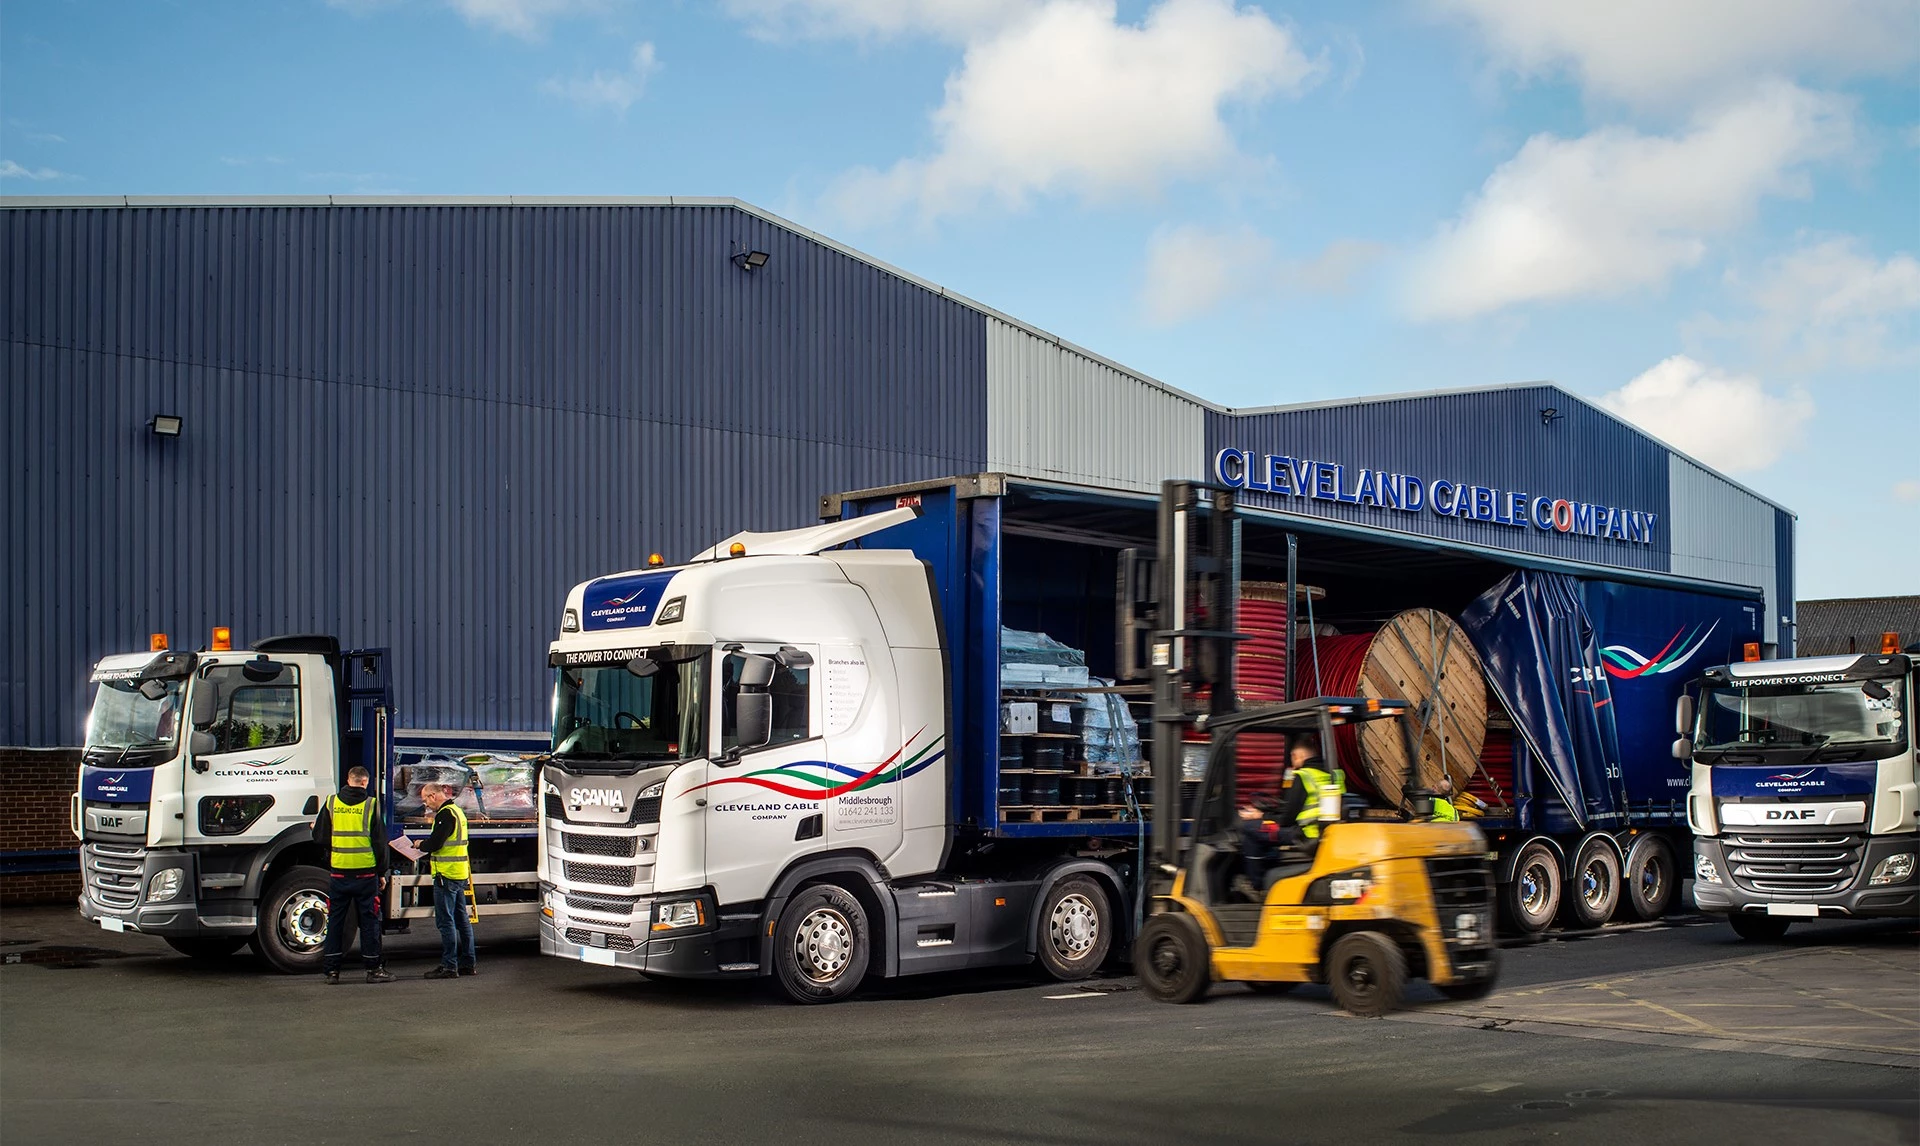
point(1089, 813)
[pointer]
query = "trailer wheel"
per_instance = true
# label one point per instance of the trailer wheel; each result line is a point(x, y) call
point(1532, 896)
point(820, 946)
point(1650, 880)
point(293, 922)
point(1759, 928)
point(1076, 928)
point(1593, 885)
point(207, 947)
point(1367, 973)
point(1172, 959)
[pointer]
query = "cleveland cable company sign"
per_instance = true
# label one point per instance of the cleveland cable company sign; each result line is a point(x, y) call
point(1341, 484)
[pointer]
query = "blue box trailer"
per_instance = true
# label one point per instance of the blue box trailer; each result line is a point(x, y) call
point(1587, 667)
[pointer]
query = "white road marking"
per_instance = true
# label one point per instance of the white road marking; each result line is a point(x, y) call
point(1077, 995)
point(1488, 1087)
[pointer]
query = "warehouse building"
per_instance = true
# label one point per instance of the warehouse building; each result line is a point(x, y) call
point(416, 422)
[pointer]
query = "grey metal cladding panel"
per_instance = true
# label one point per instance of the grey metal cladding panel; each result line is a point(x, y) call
point(1493, 438)
point(1785, 603)
point(1053, 412)
point(423, 480)
point(1723, 533)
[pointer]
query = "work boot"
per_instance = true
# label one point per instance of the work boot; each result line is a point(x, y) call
point(441, 973)
point(333, 978)
point(469, 970)
point(379, 975)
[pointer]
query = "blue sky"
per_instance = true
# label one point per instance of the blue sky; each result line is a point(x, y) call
point(1705, 215)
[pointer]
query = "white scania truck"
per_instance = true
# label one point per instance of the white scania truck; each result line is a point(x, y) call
point(1804, 802)
point(200, 782)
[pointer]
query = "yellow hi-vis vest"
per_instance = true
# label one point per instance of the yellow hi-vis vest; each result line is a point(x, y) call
point(352, 843)
point(450, 858)
point(1443, 810)
point(1319, 785)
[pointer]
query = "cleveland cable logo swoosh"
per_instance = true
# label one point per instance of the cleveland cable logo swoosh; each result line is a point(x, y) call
point(797, 781)
point(1623, 663)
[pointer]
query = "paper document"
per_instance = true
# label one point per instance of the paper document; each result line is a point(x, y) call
point(405, 847)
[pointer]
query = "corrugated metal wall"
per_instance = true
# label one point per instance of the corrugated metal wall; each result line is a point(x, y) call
point(1721, 532)
point(1496, 438)
point(1053, 412)
point(418, 425)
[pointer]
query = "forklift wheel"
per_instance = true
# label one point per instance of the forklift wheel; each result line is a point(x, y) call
point(1367, 974)
point(1172, 959)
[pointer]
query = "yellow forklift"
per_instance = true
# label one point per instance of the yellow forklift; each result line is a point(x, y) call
point(1368, 905)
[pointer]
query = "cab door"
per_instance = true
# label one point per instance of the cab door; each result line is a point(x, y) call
point(262, 747)
point(766, 804)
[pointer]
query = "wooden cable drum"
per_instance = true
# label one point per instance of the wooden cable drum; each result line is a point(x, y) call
point(1422, 657)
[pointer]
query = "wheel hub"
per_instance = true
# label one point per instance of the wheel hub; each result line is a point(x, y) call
point(303, 920)
point(1594, 885)
point(1533, 890)
point(823, 944)
point(1074, 927)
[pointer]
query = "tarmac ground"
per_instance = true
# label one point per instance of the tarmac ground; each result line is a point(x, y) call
point(1669, 1032)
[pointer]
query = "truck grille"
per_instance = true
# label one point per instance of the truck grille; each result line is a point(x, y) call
point(113, 874)
point(611, 875)
point(645, 811)
point(615, 941)
point(618, 847)
point(1795, 865)
point(604, 904)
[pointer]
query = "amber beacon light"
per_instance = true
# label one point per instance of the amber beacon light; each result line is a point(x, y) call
point(222, 639)
point(1889, 644)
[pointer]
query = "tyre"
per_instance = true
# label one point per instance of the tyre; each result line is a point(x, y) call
point(1592, 889)
point(1759, 928)
point(1076, 928)
point(293, 922)
point(1367, 974)
point(1269, 986)
point(1172, 959)
point(1650, 880)
point(821, 945)
point(1475, 988)
point(208, 947)
point(1532, 897)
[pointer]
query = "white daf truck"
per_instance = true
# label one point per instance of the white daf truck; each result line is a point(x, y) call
point(201, 778)
point(1804, 800)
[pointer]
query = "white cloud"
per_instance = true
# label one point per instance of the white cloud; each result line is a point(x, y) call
point(11, 170)
point(961, 20)
point(1728, 421)
point(1614, 209)
point(1830, 303)
point(526, 19)
point(617, 90)
point(1191, 270)
point(1068, 100)
point(1906, 491)
point(1650, 53)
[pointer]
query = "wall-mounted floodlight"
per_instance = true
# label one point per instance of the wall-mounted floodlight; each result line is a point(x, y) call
point(750, 260)
point(165, 425)
point(1548, 414)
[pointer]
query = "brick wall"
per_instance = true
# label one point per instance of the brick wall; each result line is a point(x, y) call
point(36, 798)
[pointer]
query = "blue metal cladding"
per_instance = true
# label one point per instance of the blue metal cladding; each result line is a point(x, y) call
point(418, 425)
point(1783, 523)
point(1495, 438)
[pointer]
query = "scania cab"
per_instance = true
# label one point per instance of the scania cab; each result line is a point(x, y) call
point(1803, 801)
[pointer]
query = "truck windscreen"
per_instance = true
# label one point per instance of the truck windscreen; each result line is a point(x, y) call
point(125, 719)
point(1840, 720)
point(610, 713)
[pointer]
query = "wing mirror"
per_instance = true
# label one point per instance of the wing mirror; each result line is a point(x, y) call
point(1683, 715)
point(206, 704)
point(752, 706)
point(1683, 749)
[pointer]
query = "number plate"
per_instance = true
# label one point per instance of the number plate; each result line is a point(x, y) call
point(109, 923)
point(596, 955)
point(1803, 910)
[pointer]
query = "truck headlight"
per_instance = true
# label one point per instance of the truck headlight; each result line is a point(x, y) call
point(652, 790)
point(1893, 869)
point(677, 914)
point(165, 885)
point(1348, 888)
point(1704, 870)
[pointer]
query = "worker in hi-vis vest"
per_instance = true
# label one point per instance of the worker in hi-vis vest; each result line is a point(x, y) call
point(354, 841)
point(1443, 809)
point(1316, 793)
point(446, 850)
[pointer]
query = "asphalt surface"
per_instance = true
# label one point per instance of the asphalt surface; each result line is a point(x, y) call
point(105, 1036)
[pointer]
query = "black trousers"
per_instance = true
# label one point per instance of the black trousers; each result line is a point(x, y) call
point(346, 896)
